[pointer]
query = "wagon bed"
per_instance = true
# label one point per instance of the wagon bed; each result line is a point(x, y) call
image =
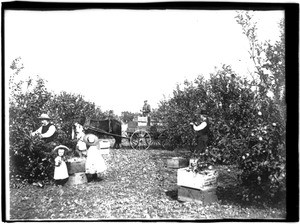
point(142, 135)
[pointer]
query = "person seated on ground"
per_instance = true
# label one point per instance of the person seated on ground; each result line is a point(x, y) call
point(47, 132)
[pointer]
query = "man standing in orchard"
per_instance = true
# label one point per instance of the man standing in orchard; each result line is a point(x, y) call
point(202, 132)
point(47, 132)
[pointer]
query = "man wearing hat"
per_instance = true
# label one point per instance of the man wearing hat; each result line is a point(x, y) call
point(146, 111)
point(47, 131)
point(202, 132)
point(146, 108)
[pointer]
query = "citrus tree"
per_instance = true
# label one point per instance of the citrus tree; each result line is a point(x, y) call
point(264, 165)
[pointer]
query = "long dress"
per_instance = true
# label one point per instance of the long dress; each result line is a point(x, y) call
point(94, 161)
point(60, 170)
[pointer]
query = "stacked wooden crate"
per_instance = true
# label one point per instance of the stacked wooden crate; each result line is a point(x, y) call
point(198, 187)
point(104, 146)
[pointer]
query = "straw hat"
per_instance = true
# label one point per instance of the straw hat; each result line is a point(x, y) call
point(91, 139)
point(61, 147)
point(44, 117)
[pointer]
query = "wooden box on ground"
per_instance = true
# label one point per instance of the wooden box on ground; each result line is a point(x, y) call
point(76, 165)
point(77, 178)
point(177, 162)
point(205, 180)
point(195, 195)
point(104, 146)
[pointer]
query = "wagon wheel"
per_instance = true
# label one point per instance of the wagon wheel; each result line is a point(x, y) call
point(155, 143)
point(163, 139)
point(140, 139)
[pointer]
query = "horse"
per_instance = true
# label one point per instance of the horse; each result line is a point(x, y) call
point(111, 126)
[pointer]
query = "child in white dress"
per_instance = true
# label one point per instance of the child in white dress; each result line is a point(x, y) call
point(95, 165)
point(60, 171)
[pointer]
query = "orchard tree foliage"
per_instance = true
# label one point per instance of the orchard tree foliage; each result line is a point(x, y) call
point(247, 122)
point(268, 59)
point(28, 99)
point(246, 128)
point(127, 116)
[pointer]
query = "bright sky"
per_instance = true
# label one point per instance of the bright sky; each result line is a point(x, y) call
point(119, 58)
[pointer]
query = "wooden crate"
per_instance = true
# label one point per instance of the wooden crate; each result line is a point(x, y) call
point(195, 195)
point(76, 165)
point(205, 180)
point(177, 162)
point(142, 121)
point(77, 178)
point(104, 146)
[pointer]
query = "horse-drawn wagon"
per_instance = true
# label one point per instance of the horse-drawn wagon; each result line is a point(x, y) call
point(140, 134)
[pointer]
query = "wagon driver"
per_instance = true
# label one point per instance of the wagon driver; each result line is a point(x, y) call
point(146, 111)
point(202, 132)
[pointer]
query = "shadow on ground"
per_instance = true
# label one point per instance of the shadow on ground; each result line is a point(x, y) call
point(172, 194)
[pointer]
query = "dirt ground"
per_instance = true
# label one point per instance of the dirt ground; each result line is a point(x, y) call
point(138, 186)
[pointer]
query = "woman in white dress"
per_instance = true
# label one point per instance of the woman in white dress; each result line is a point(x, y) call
point(95, 165)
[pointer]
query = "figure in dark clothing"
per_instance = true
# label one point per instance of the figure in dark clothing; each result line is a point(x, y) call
point(47, 132)
point(146, 111)
point(146, 108)
point(202, 132)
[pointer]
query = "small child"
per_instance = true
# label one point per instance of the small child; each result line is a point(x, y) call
point(60, 171)
point(95, 164)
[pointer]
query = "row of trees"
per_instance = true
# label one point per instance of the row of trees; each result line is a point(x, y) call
point(248, 123)
point(248, 117)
